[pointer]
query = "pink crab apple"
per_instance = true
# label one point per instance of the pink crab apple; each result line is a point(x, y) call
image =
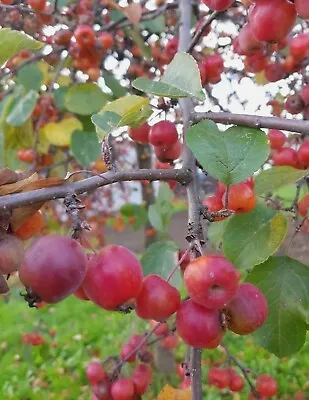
point(114, 277)
point(198, 326)
point(122, 389)
point(140, 134)
point(211, 281)
point(163, 134)
point(302, 8)
point(276, 138)
point(218, 5)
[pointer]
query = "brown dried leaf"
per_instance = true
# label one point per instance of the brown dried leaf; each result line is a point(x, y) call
point(7, 176)
point(3, 285)
point(23, 175)
point(43, 183)
point(133, 12)
point(18, 186)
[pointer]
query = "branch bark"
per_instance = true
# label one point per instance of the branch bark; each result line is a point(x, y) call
point(195, 231)
point(255, 121)
point(12, 201)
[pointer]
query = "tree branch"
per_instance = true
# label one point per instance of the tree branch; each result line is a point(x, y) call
point(12, 201)
point(201, 30)
point(255, 121)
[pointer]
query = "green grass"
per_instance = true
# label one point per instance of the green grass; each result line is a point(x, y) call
point(55, 371)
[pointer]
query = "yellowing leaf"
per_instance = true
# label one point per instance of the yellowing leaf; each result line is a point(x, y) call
point(125, 104)
point(169, 393)
point(43, 144)
point(64, 80)
point(59, 133)
point(260, 78)
point(44, 68)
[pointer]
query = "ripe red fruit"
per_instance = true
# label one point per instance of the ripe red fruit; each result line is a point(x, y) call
point(11, 254)
point(37, 5)
point(171, 48)
point(63, 37)
point(26, 155)
point(128, 352)
point(271, 21)
point(303, 205)
point(267, 386)
point(163, 134)
point(219, 377)
point(80, 293)
point(180, 371)
point(285, 156)
point(114, 277)
point(213, 66)
point(276, 139)
point(211, 281)
point(123, 389)
point(302, 8)
point(54, 267)
point(274, 72)
point(248, 310)
point(241, 198)
point(140, 134)
point(102, 391)
point(167, 155)
point(294, 104)
point(213, 203)
point(198, 326)
point(84, 35)
point(95, 372)
point(106, 40)
point(142, 378)
point(218, 5)
point(161, 330)
point(236, 382)
point(185, 261)
point(299, 45)
point(157, 299)
point(303, 154)
point(247, 41)
point(31, 227)
point(170, 342)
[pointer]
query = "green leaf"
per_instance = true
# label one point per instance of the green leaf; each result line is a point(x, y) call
point(230, 156)
point(156, 25)
point(160, 213)
point(160, 258)
point(114, 85)
point(85, 147)
point(22, 109)
point(105, 123)
point(12, 42)
point(285, 283)
point(59, 97)
point(251, 238)
point(136, 211)
point(62, 3)
point(215, 232)
point(30, 76)
point(181, 79)
point(277, 177)
point(85, 99)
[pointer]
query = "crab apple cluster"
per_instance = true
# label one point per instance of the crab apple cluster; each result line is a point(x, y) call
point(223, 378)
point(239, 198)
point(212, 283)
point(283, 154)
point(33, 339)
point(164, 137)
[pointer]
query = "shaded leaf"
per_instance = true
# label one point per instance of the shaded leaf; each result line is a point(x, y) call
point(135, 211)
point(85, 147)
point(22, 109)
point(114, 85)
point(277, 177)
point(59, 97)
point(216, 231)
point(230, 156)
point(180, 79)
point(30, 76)
point(285, 283)
point(12, 42)
point(160, 258)
point(251, 238)
point(85, 99)
point(160, 213)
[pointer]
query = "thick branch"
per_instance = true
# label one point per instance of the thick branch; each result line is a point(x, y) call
point(86, 185)
point(255, 121)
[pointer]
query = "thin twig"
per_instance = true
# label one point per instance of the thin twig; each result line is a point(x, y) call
point(202, 29)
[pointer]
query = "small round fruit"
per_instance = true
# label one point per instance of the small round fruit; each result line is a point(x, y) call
point(114, 277)
point(285, 156)
point(167, 155)
point(303, 205)
point(31, 227)
point(211, 281)
point(157, 299)
point(276, 138)
point(37, 5)
point(218, 5)
point(163, 134)
point(303, 154)
point(294, 104)
point(219, 377)
point(198, 326)
point(161, 329)
point(123, 389)
point(11, 254)
point(170, 342)
point(140, 134)
point(241, 198)
point(54, 267)
point(236, 382)
point(84, 35)
point(142, 378)
point(80, 293)
point(302, 8)
point(95, 372)
point(267, 386)
point(248, 310)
